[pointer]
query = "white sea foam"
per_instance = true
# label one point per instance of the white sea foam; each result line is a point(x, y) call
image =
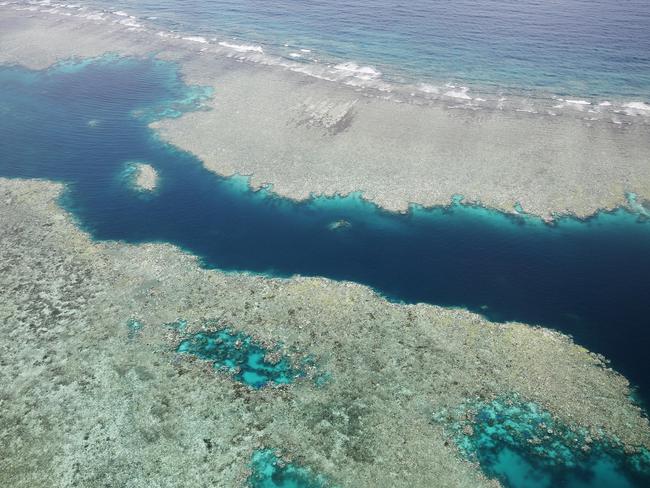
point(348, 76)
point(637, 106)
point(200, 39)
point(426, 88)
point(242, 48)
point(578, 105)
point(347, 72)
point(460, 92)
point(130, 22)
point(94, 16)
point(353, 69)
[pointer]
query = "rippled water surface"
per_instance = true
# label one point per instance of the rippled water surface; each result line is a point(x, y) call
point(584, 48)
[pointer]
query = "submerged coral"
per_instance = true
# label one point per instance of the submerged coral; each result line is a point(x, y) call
point(525, 446)
point(238, 353)
point(140, 177)
point(134, 328)
point(270, 471)
point(179, 325)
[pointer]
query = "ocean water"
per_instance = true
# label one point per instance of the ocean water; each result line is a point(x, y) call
point(84, 124)
point(593, 49)
point(524, 446)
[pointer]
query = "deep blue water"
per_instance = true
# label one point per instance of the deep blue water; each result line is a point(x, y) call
point(583, 48)
point(83, 125)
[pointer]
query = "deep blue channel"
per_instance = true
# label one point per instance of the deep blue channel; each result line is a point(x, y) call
point(83, 124)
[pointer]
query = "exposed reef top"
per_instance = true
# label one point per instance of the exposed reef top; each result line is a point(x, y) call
point(145, 177)
point(89, 399)
point(306, 136)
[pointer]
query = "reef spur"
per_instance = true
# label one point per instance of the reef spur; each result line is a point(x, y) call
point(290, 128)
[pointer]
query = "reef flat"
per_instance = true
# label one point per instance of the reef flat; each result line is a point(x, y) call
point(304, 135)
point(95, 394)
point(146, 177)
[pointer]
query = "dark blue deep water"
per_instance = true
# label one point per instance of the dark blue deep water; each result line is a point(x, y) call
point(83, 124)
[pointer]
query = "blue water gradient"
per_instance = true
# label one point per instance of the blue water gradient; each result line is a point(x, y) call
point(524, 446)
point(269, 471)
point(82, 125)
point(240, 355)
point(579, 48)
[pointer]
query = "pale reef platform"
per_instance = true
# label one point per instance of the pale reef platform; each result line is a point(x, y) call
point(304, 135)
point(145, 178)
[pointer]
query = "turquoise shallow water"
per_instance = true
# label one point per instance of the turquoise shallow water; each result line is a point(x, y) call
point(269, 471)
point(523, 446)
point(577, 48)
point(240, 355)
point(83, 124)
